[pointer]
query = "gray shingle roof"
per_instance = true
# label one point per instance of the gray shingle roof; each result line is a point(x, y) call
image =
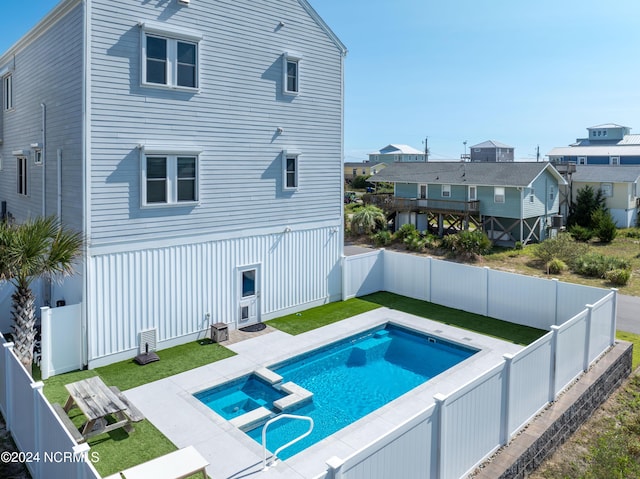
point(459, 173)
point(607, 173)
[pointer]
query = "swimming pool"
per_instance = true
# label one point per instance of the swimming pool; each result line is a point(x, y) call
point(348, 379)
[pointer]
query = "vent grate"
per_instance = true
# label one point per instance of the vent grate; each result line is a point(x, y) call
point(148, 337)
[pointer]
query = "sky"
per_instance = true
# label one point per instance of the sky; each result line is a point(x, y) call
point(526, 73)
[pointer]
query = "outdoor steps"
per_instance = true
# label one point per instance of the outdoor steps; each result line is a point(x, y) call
point(268, 376)
point(252, 418)
point(370, 349)
point(297, 396)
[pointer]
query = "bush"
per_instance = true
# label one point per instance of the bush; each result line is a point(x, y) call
point(405, 230)
point(604, 226)
point(581, 233)
point(619, 277)
point(518, 245)
point(467, 243)
point(597, 265)
point(633, 233)
point(382, 238)
point(415, 242)
point(562, 247)
point(556, 266)
point(360, 183)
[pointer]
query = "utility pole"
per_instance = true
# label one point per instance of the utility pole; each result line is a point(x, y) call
point(537, 153)
point(426, 148)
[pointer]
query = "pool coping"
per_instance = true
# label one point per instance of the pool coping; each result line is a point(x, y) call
point(170, 406)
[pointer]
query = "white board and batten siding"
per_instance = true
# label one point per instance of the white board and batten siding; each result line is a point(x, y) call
point(172, 288)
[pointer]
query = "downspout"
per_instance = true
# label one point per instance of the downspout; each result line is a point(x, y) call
point(43, 157)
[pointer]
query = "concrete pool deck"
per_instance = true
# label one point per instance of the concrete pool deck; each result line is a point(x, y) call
point(169, 403)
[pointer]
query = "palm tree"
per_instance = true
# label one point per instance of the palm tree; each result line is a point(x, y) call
point(367, 219)
point(38, 248)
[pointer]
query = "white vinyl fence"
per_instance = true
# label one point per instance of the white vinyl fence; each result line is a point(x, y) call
point(61, 340)
point(45, 446)
point(455, 434)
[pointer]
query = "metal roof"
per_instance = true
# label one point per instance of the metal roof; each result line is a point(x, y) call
point(397, 149)
point(630, 140)
point(465, 173)
point(607, 173)
point(606, 150)
point(606, 125)
point(491, 144)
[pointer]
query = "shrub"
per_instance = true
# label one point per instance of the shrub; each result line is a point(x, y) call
point(368, 219)
point(604, 226)
point(415, 242)
point(562, 247)
point(518, 245)
point(581, 233)
point(619, 277)
point(382, 238)
point(633, 233)
point(597, 265)
point(405, 230)
point(360, 183)
point(556, 266)
point(467, 243)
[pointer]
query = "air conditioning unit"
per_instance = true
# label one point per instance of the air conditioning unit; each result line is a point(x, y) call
point(556, 221)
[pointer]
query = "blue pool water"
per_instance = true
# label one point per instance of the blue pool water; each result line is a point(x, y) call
point(355, 376)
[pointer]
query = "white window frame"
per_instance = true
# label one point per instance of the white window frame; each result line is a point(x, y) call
point(499, 194)
point(445, 191)
point(22, 183)
point(474, 196)
point(37, 156)
point(286, 155)
point(614, 160)
point(426, 191)
point(171, 156)
point(581, 160)
point(607, 189)
point(286, 59)
point(532, 195)
point(7, 92)
point(172, 36)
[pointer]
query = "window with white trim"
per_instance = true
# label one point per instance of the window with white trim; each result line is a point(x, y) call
point(498, 194)
point(290, 169)
point(446, 191)
point(614, 160)
point(582, 160)
point(290, 74)
point(22, 169)
point(170, 58)
point(7, 92)
point(607, 189)
point(169, 179)
point(473, 193)
point(532, 195)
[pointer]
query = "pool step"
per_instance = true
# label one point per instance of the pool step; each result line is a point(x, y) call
point(297, 396)
point(369, 350)
point(268, 376)
point(252, 418)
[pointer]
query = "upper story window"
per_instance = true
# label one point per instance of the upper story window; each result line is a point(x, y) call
point(291, 74)
point(614, 160)
point(582, 160)
point(169, 178)
point(498, 194)
point(446, 191)
point(473, 193)
point(7, 92)
point(607, 189)
point(290, 169)
point(170, 57)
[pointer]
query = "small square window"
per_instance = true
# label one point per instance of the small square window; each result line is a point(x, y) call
point(607, 189)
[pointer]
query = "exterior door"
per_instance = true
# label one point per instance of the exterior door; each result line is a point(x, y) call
point(249, 308)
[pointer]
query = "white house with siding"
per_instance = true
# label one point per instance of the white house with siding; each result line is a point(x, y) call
point(198, 147)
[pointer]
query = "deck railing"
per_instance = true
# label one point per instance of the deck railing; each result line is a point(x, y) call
point(388, 202)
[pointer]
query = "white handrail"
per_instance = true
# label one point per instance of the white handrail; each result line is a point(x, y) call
point(264, 437)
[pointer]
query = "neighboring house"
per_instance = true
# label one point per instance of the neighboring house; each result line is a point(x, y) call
point(363, 168)
point(607, 144)
point(512, 202)
point(397, 154)
point(491, 151)
point(182, 139)
point(619, 185)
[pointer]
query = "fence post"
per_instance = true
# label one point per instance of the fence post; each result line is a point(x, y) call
point(614, 314)
point(81, 450)
point(335, 467)
point(345, 275)
point(554, 366)
point(45, 342)
point(555, 308)
point(487, 270)
point(37, 431)
point(506, 398)
point(587, 338)
point(430, 265)
point(440, 468)
point(8, 378)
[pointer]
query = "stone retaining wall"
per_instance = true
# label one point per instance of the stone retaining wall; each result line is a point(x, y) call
point(561, 419)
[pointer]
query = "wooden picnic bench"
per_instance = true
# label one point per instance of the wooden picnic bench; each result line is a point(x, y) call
point(97, 401)
point(175, 465)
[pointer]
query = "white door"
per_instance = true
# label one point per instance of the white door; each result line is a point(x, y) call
point(249, 311)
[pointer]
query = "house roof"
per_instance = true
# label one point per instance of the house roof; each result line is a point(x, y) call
point(464, 173)
point(322, 24)
point(596, 150)
point(606, 125)
point(630, 140)
point(397, 149)
point(491, 144)
point(608, 173)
